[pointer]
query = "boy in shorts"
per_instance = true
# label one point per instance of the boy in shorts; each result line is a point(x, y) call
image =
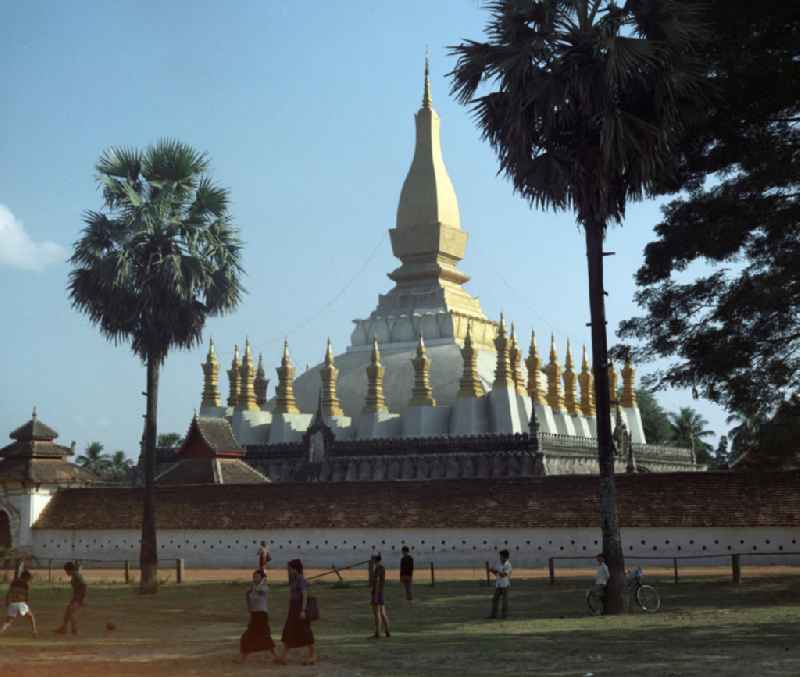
point(17, 602)
point(377, 601)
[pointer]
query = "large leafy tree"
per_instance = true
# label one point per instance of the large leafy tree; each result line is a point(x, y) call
point(149, 270)
point(655, 420)
point(169, 440)
point(733, 333)
point(688, 428)
point(585, 97)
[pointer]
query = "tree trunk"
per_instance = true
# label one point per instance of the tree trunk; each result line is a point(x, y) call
point(148, 553)
point(612, 544)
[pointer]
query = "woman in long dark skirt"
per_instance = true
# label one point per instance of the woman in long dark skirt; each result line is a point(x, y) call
point(297, 631)
point(258, 636)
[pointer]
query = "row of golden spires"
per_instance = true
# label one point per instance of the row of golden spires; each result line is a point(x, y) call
point(248, 383)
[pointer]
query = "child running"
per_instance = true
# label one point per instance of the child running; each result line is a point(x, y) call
point(79, 589)
point(17, 602)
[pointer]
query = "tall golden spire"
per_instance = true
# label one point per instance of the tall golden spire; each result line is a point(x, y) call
point(260, 383)
point(587, 387)
point(514, 358)
point(374, 401)
point(211, 396)
point(247, 394)
point(235, 379)
point(613, 385)
point(470, 385)
point(536, 389)
point(628, 398)
point(284, 393)
point(422, 395)
point(555, 397)
point(329, 373)
point(570, 382)
point(502, 372)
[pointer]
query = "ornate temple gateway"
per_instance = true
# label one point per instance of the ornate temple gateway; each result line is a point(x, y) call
point(429, 387)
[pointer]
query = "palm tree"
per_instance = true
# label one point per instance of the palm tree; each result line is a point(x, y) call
point(93, 459)
point(119, 467)
point(688, 430)
point(160, 259)
point(587, 98)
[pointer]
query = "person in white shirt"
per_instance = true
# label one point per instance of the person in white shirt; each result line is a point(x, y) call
point(502, 574)
point(602, 575)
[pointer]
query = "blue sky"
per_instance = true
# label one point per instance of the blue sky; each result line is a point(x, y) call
point(306, 111)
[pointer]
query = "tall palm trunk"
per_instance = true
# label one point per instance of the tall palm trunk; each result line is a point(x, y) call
point(612, 544)
point(148, 553)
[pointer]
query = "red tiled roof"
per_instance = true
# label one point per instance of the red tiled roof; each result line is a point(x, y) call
point(650, 500)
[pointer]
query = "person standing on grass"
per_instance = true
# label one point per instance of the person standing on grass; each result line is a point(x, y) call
point(78, 599)
point(258, 636)
point(407, 572)
point(601, 576)
point(297, 630)
point(377, 586)
point(263, 557)
point(502, 574)
point(17, 602)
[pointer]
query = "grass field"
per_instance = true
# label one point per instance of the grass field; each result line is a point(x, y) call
point(707, 627)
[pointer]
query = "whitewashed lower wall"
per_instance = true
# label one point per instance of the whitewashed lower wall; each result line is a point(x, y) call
point(444, 547)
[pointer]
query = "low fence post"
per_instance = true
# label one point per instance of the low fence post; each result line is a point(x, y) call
point(488, 579)
point(371, 570)
point(179, 568)
point(675, 566)
point(551, 565)
point(50, 571)
point(736, 569)
point(433, 576)
point(127, 572)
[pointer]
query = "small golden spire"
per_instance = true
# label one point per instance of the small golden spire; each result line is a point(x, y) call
point(555, 397)
point(422, 394)
point(261, 383)
point(235, 378)
point(426, 94)
point(570, 382)
point(284, 392)
point(329, 373)
point(628, 398)
point(536, 389)
point(514, 358)
point(613, 386)
point(470, 385)
point(247, 394)
point(586, 380)
point(502, 372)
point(211, 396)
point(374, 401)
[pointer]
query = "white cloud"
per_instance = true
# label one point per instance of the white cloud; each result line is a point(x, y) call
point(18, 250)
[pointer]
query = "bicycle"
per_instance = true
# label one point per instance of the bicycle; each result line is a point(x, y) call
point(646, 596)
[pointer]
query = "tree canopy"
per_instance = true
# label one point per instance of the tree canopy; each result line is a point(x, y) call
point(733, 333)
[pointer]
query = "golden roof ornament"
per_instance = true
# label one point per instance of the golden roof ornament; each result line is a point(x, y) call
point(502, 372)
point(235, 378)
point(586, 380)
point(555, 396)
point(284, 392)
point(628, 398)
point(261, 383)
point(536, 388)
point(613, 386)
point(422, 394)
point(374, 401)
point(470, 385)
point(330, 405)
point(247, 393)
point(570, 383)
point(211, 396)
point(514, 358)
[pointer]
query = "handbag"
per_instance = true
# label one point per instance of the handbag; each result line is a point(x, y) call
point(312, 609)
